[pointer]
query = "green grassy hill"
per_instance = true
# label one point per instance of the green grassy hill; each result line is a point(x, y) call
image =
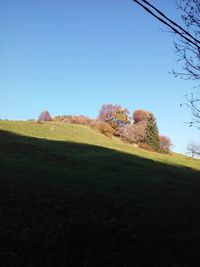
point(85, 135)
point(70, 196)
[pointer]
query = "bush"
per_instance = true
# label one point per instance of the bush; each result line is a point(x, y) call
point(73, 119)
point(105, 129)
point(93, 124)
point(133, 133)
point(80, 120)
point(126, 133)
point(61, 118)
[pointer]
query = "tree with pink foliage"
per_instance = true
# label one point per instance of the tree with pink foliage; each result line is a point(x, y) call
point(114, 115)
point(165, 144)
point(126, 133)
point(133, 133)
point(44, 116)
point(106, 113)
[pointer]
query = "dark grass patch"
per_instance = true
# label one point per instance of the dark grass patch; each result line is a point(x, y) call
point(66, 204)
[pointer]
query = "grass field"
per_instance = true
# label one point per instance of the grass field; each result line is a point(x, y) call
point(70, 196)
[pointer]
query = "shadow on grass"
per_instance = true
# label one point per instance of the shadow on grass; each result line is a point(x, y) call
point(67, 204)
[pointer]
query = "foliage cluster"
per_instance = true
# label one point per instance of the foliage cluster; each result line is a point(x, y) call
point(139, 129)
point(83, 120)
point(140, 115)
point(120, 118)
point(143, 130)
point(106, 129)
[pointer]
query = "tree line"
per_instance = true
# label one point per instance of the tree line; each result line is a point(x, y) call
point(139, 128)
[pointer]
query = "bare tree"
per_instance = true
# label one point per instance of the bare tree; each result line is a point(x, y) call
point(193, 149)
point(193, 103)
point(187, 44)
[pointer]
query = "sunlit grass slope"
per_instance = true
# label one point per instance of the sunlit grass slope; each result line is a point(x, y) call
point(85, 135)
point(70, 196)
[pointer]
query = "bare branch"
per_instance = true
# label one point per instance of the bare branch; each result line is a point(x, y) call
point(194, 41)
point(187, 45)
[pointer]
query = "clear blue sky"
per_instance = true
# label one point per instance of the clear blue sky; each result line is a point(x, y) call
point(70, 57)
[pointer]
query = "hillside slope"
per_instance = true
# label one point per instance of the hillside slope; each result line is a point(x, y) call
point(72, 197)
point(85, 135)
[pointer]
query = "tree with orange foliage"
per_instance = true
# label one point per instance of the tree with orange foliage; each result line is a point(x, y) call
point(114, 115)
point(120, 118)
point(140, 115)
